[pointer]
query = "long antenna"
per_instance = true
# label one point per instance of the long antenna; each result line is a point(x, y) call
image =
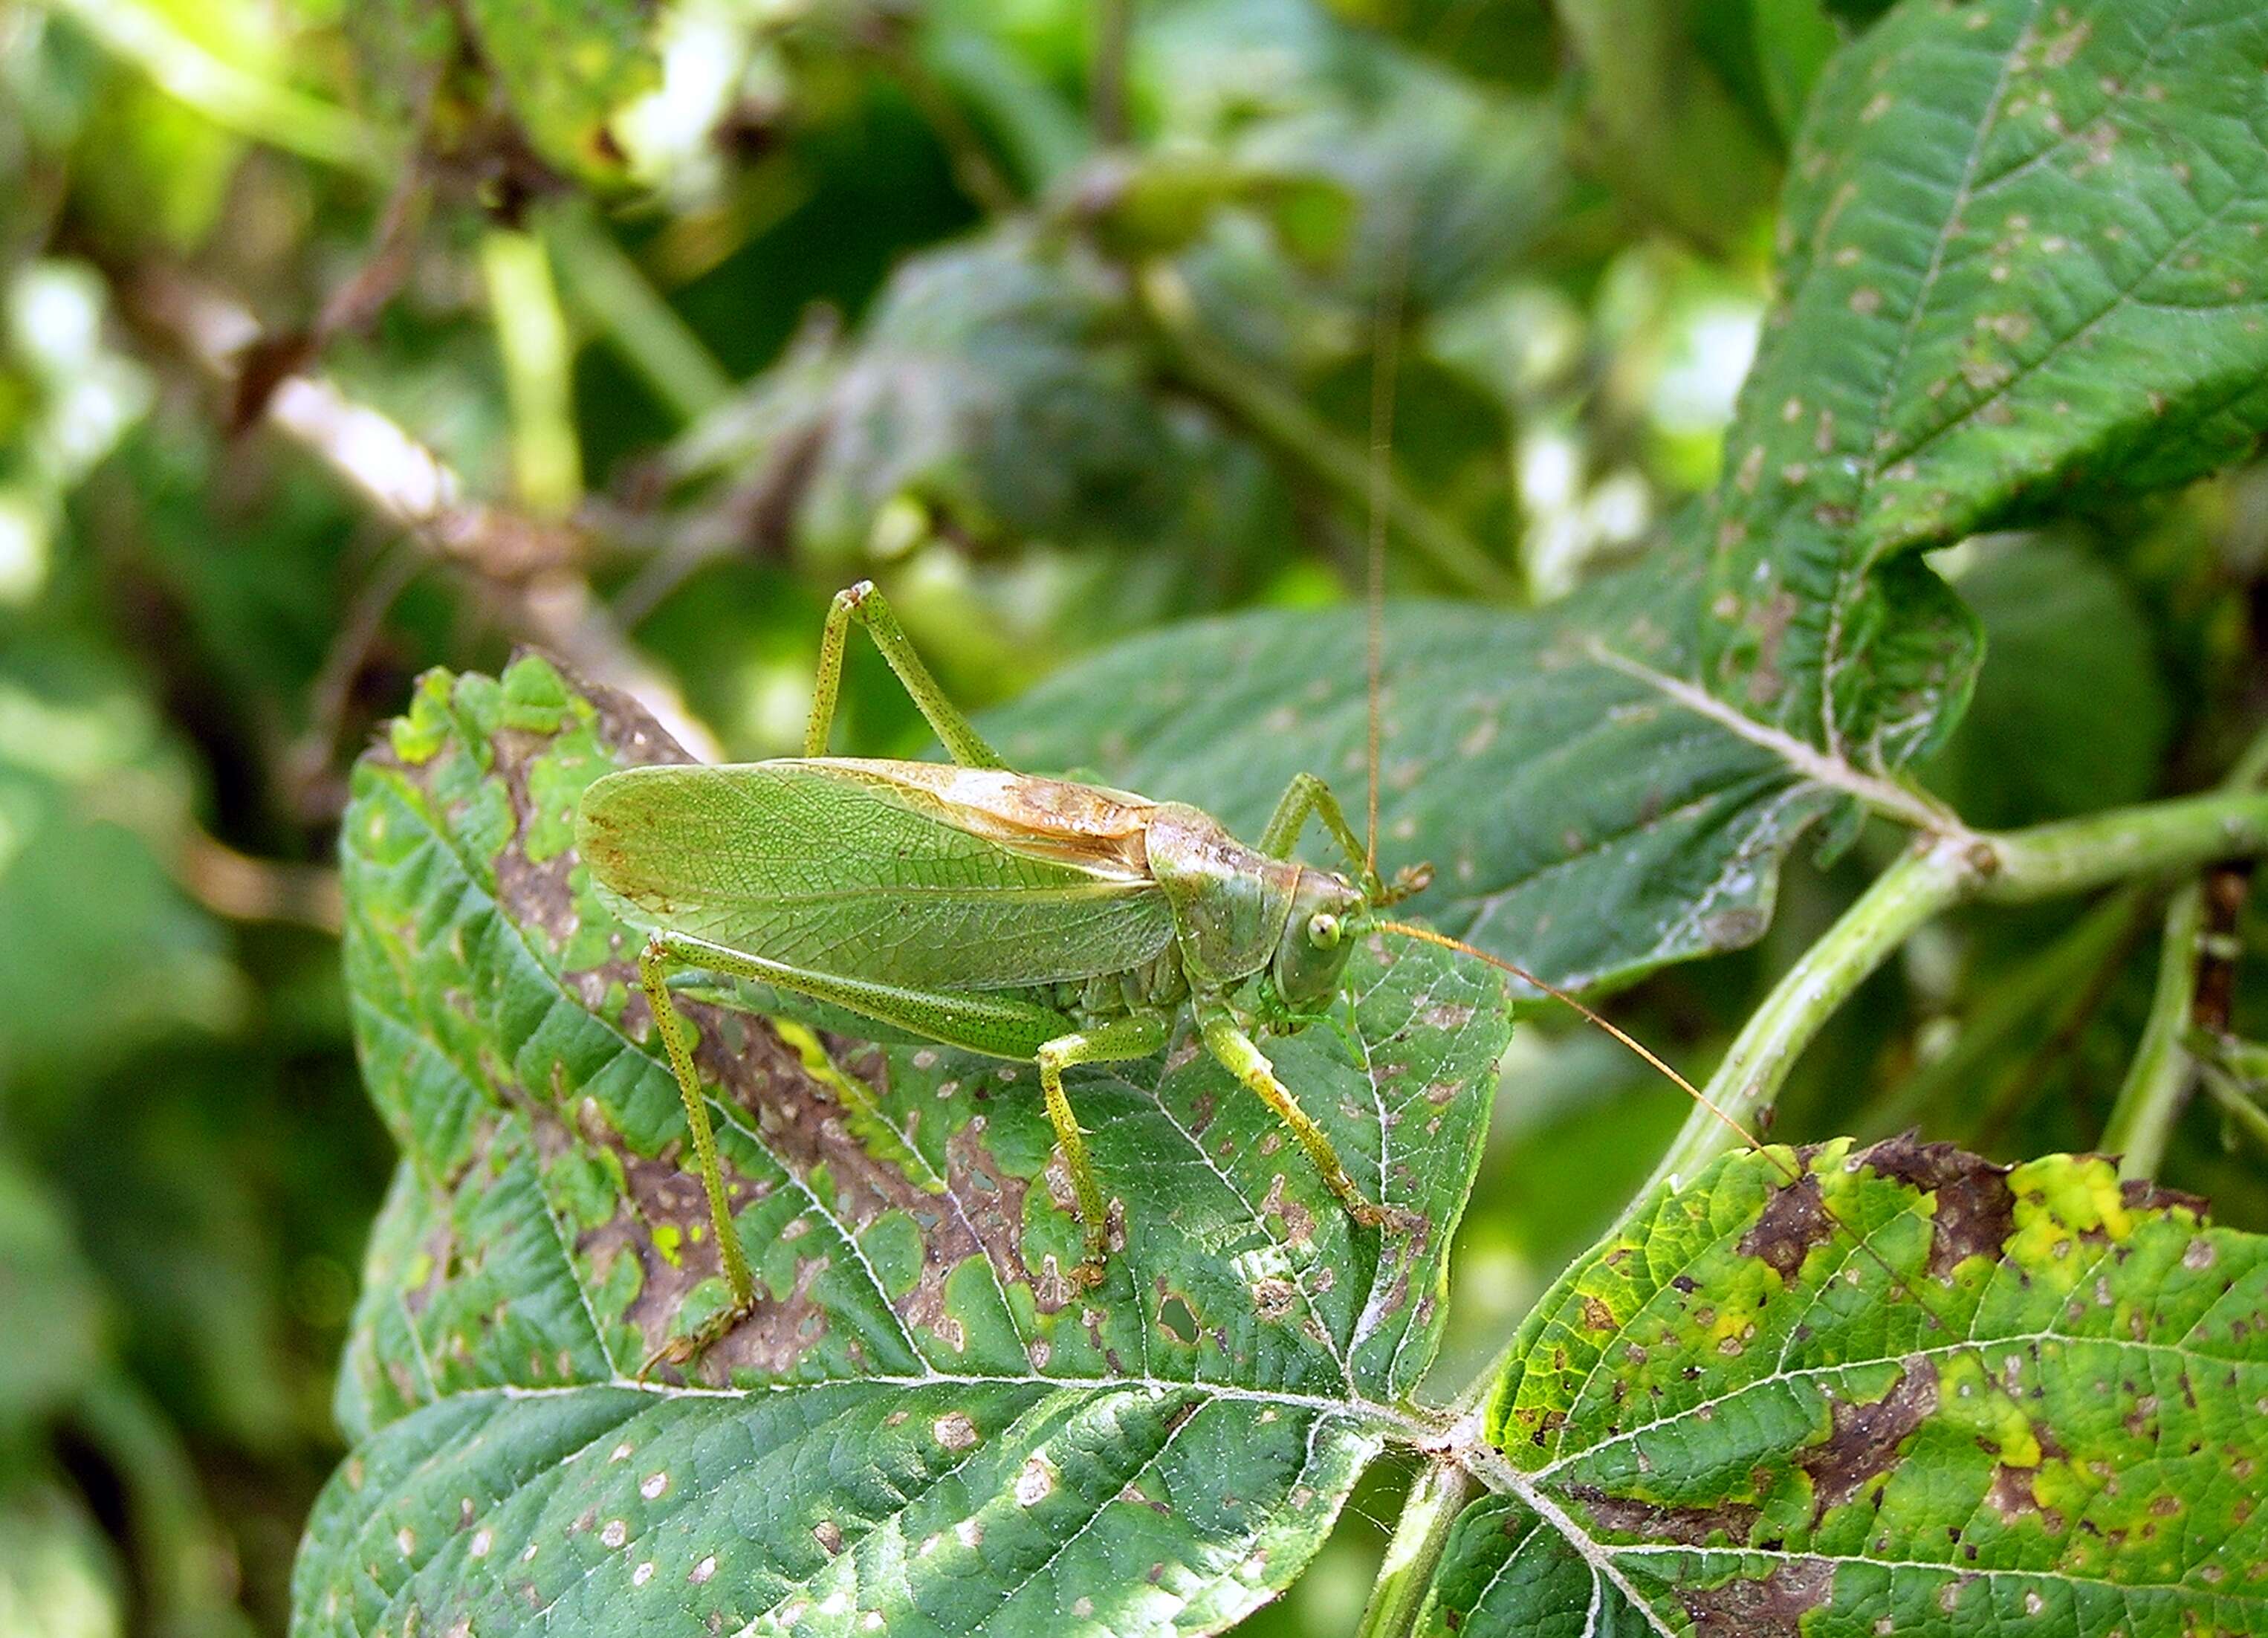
point(1793, 1174)
point(1557, 994)
point(1385, 366)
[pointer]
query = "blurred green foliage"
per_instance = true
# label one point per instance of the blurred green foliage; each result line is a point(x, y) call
point(1061, 333)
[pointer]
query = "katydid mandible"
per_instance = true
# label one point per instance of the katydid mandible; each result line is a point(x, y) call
point(1033, 919)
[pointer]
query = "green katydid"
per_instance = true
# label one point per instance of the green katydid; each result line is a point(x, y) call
point(1027, 919)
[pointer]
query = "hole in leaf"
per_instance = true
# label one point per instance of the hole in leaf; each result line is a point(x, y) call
point(1178, 1320)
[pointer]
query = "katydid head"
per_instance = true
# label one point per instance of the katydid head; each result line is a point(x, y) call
point(1318, 937)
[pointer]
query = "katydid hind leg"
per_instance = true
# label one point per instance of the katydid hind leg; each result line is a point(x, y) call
point(869, 608)
point(1117, 1041)
point(999, 1025)
point(654, 964)
point(1226, 1039)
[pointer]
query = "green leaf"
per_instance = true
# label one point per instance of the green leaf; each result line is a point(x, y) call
point(920, 1420)
point(2070, 714)
point(995, 385)
point(1794, 40)
point(2021, 254)
point(566, 69)
point(2031, 1398)
point(1580, 820)
point(1661, 126)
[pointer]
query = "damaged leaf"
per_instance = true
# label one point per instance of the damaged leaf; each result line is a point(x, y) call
point(921, 1428)
point(2021, 257)
point(1893, 1389)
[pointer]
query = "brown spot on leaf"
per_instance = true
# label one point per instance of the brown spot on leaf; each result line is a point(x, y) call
point(2012, 1495)
point(1299, 1222)
point(1275, 1297)
point(1766, 1606)
point(1864, 1440)
point(1974, 1213)
point(1685, 1523)
point(1792, 1222)
point(2139, 1194)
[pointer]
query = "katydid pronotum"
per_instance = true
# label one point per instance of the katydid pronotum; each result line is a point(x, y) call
point(1027, 919)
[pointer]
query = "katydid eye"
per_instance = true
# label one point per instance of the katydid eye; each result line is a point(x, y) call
point(1323, 930)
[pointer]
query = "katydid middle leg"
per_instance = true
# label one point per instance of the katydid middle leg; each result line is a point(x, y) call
point(1137, 1035)
point(870, 608)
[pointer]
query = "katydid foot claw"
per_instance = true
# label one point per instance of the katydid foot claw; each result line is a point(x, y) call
point(1409, 882)
point(682, 1351)
point(1086, 1275)
point(1392, 1219)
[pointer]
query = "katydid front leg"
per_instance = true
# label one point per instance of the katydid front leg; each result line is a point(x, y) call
point(1306, 795)
point(1226, 1039)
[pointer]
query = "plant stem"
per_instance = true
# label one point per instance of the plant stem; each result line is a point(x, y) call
point(1299, 436)
point(1114, 21)
point(547, 458)
point(2239, 1108)
point(2159, 1080)
point(1944, 868)
point(645, 330)
point(2051, 984)
point(1943, 871)
point(1436, 1497)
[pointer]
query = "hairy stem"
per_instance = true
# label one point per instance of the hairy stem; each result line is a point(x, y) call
point(1436, 1497)
point(1943, 871)
point(2159, 1080)
point(1338, 464)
